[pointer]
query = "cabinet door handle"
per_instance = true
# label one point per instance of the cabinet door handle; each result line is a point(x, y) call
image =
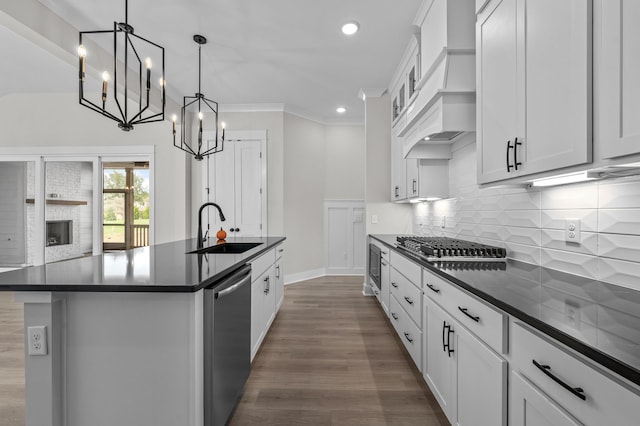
point(433, 288)
point(408, 299)
point(383, 263)
point(394, 316)
point(408, 337)
point(394, 285)
point(266, 290)
point(415, 183)
point(464, 311)
point(278, 271)
point(397, 188)
point(449, 348)
point(515, 153)
point(579, 392)
point(509, 165)
point(444, 327)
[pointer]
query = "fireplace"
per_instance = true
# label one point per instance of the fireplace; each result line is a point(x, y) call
point(59, 232)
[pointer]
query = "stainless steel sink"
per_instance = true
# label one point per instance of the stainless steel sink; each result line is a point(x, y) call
point(226, 248)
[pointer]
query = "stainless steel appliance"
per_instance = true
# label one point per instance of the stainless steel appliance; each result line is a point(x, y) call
point(227, 344)
point(444, 249)
point(375, 258)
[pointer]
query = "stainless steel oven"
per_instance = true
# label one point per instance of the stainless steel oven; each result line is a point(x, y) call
point(375, 258)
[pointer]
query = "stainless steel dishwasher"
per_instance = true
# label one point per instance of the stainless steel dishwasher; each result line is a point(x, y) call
point(227, 344)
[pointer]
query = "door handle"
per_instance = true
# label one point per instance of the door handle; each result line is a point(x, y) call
point(433, 288)
point(579, 392)
point(465, 311)
point(509, 165)
point(515, 154)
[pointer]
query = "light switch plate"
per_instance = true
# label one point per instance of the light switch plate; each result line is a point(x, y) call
point(374, 218)
point(572, 231)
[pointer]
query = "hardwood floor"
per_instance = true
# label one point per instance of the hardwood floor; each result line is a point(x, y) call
point(11, 361)
point(331, 358)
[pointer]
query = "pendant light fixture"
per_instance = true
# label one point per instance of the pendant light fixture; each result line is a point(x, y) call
point(136, 83)
point(203, 108)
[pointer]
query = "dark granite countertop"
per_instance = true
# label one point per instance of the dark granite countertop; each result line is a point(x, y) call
point(160, 268)
point(597, 319)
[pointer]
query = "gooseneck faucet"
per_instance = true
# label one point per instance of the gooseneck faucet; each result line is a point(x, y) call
point(200, 238)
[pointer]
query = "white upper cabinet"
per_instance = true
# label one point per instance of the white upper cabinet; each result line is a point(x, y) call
point(398, 171)
point(618, 71)
point(533, 69)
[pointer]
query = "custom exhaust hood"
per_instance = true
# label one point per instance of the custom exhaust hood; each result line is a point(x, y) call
point(444, 109)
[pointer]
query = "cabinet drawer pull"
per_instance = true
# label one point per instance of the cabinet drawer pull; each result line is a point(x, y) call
point(408, 337)
point(394, 285)
point(433, 288)
point(383, 263)
point(579, 392)
point(414, 186)
point(464, 311)
point(394, 316)
point(516, 144)
point(409, 301)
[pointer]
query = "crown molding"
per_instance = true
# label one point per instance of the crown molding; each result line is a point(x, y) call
point(371, 92)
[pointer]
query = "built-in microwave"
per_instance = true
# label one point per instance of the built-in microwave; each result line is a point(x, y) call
point(375, 258)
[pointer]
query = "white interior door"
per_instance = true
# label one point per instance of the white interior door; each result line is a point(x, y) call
point(237, 181)
point(248, 189)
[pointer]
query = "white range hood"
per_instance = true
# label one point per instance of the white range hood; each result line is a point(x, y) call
point(443, 110)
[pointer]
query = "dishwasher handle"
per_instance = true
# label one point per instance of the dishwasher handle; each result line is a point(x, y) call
point(234, 282)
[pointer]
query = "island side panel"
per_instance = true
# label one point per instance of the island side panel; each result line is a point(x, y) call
point(120, 358)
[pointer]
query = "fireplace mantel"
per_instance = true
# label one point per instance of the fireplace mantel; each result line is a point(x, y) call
point(59, 202)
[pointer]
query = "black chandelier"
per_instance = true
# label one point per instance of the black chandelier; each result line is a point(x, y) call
point(208, 146)
point(129, 82)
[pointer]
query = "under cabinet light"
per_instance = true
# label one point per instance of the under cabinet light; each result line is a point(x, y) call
point(563, 179)
point(341, 110)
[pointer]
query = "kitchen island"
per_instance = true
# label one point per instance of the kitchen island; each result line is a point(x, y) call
point(124, 333)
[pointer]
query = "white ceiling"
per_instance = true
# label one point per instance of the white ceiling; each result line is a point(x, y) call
point(289, 52)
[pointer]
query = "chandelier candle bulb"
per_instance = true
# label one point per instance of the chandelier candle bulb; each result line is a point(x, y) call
point(82, 52)
point(147, 64)
point(105, 82)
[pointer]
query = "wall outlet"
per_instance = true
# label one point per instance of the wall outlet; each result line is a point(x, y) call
point(37, 337)
point(374, 218)
point(572, 231)
point(572, 313)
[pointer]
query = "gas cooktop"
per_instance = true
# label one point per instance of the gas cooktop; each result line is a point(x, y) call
point(450, 249)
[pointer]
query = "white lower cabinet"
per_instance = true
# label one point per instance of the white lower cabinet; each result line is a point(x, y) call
point(468, 378)
point(438, 371)
point(267, 292)
point(580, 389)
point(528, 406)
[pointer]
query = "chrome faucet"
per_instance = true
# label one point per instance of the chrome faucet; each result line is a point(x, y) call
point(200, 238)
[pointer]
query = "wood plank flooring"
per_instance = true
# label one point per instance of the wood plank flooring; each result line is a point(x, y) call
point(331, 358)
point(12, 393)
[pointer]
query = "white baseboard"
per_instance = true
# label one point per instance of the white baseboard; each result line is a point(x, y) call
point(303, 276)
point(344, 271)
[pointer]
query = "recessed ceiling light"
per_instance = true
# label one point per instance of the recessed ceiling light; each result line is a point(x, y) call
point(350, 28)
point(341, 110)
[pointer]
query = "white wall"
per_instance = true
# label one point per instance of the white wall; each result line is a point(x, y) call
point(304, 187)
point(58, 120)
point(393, 218)
point(530, 222)
point(344, 172)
